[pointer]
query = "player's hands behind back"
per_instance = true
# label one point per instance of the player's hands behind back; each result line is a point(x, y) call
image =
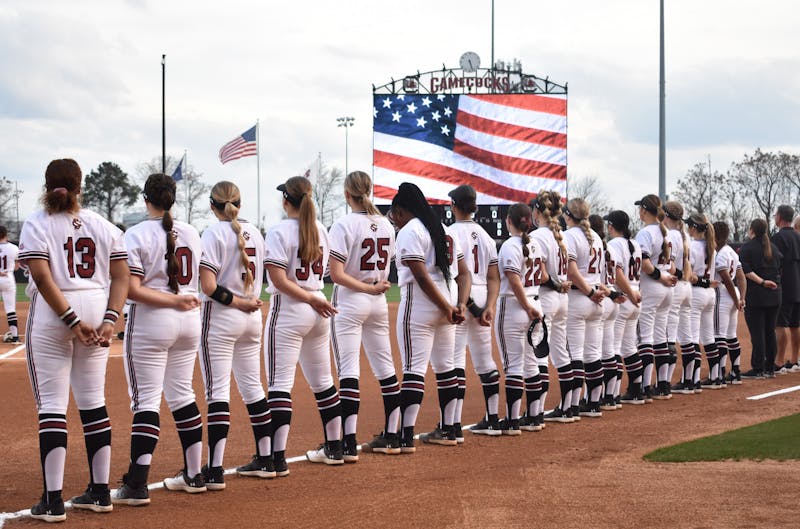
point(186, 302)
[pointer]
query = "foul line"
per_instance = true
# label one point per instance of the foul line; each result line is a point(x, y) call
point(774, 393)
point(12, 352)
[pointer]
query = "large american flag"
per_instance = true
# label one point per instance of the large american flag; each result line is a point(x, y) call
point(243, 145)
point(506, 146)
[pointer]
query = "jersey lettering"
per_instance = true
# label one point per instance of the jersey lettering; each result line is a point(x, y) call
point(305, 271)
point(563, 263)
point(372, 246)
point(662, 258)
point(538, 268)
point(251, 265)
point(449, 244)
point(475, 258)
point(184, 256)
point(593, 261)
point(610, 269)
point(85, 247)
point(634, 269)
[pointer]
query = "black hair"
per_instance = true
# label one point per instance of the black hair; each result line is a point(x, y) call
point(159, 190)
point(410, 198)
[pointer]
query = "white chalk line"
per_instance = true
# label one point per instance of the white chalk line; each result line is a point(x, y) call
point(774, 393)
point(12, 352)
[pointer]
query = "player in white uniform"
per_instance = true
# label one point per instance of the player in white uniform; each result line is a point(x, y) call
point(584, 332)
point(8, 285)
point(79, 280)
point(702, 257)
point(231, 272)
point(480, 256)
point(656, 287)
point(519, 307)
point(628, 257)
point(546, 208)
point(730, 295)
point(611, 363)
point(428, 259)
point(679, 326)
point(297, 327)
point(362, 249)
point(161, 341)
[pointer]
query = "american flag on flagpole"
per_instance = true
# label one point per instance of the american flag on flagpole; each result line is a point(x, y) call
point(506, 146)
point(243, 145)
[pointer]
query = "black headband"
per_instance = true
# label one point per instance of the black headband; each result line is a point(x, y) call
point(221, 205)
point(569, 214)
point(696, 225)
point(671, 215)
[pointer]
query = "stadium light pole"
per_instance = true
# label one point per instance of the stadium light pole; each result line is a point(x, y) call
point(346, 122)
point(662, 140)
point(163, 114)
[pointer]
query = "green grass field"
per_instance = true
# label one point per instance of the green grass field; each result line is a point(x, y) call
point(777, 440)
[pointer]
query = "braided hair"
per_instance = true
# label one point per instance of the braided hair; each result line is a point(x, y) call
point(578, 210)
point(548, 203)
point(226, 198)
point(521, 217)
point(410, 198)
point(159, 190)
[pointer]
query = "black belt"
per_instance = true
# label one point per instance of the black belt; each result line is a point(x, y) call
point(573, 287)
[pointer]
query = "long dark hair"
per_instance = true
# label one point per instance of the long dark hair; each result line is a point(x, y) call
point(521, 216)
point(62, 184)
point(410, 198)
point(759, 227)
point(159, 190)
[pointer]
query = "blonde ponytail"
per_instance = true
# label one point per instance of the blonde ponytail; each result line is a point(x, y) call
point(578, 210)
point(359, 185)
point(299, 189)
point(226, 198)
point(551, 209)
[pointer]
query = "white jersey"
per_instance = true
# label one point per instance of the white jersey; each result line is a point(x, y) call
point(630, 262)
point(551, 253)
point(414, 243)
point(651, 242)
point(79, 247)
point(9, 253)
point(147, 246)
point(727, 259)
point(675, 244)
point(365, 244)
point(511, 259)
point(480, 251)
point(282, 249)
point(590, 259)
point(697, 258)
point(612, 260)
point(221, 255)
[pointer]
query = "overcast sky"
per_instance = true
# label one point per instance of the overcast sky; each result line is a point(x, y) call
point(82, 79)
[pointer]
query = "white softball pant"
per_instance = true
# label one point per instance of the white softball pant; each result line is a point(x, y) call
point(511, 328)
point(362, 319)
point(703, 300)
point(625, 339)
point(479, 339)
point(58, 361)
point(160, 349)
point(584, 332)
point(726, 315)
point(230, 340)
point(423, 331)
point(679, 327)
point(555, 307)
point(609, 318)
point(8, 291)
point(295, 332)
point(655, 305)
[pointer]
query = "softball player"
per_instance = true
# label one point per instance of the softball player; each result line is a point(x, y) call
point(584, 334)
point(362, 249)
point(729, 302)
point(161, 341)
point(628, 258)
point(480, 255)
point(656, 287)
point(428, 258)
point(679, 324)
point(297, 329)
point(519, 306)
point(546, 208)
point(701, 256)
point(77, 264)
point(612, 369)
point(231, 272)
point(8, 285)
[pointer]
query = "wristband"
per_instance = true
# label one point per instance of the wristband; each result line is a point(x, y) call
point(473, 308)
point(69, 318)
point(679, 274)
point(763, 281)
point(553, 284)
point(111, 316)
point(703, 282)
point(223, 295)
point(614, 294)
point(591, 292)
point(655, 274)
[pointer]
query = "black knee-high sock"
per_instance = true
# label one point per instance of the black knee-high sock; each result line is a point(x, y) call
point(565, 379)
point(698, 362)
point(280, 407)
point(412, 390)
point(219, 420)
point(661, 354)
point(712, 356)
point(634, 367)
point(461, 376)
point(514, 387)
point(97, 435)
point(52, 437)
point(261, 422)
point(144, 438)
point(594, 382)
point(447, 387)
point(620, 370)
point(687, 359)
point(648, 358)
point(390, 390)
point(330, 411)
point(609, 376)
point(13, 323)
point(350, 398)
point(544, 378)
point(533, 392)
point(490, 382)
point(189, 423)
point(735, 352)
point(578, 377)
point(722, 355)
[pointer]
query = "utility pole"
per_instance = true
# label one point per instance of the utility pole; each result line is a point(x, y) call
point(662, 141)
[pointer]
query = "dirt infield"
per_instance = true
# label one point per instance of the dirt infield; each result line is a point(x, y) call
point(588, 474)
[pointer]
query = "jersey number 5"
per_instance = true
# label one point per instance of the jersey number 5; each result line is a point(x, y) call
point(85, 248)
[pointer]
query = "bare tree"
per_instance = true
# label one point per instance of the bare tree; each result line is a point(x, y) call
point(763, 177)
point(590, 189)
point(735, 205)
point(7, 196)
point(697, 191)
point(327, 194)
point(190, 190)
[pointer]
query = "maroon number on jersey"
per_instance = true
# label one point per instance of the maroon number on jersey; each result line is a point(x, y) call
point(372, 246)
point(85, 249)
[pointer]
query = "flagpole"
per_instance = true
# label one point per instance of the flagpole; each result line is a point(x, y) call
point(258, 177)
point(163, 120)
point(186, 184)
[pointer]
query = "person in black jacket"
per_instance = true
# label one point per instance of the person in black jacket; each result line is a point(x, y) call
point(788, 242)
point(761, 262)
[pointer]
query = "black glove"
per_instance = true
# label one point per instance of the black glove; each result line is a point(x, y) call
point(541, 349)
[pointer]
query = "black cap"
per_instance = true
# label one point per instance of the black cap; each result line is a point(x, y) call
point(292, 200)
point(648, 203)
point(618, 219)
point(464, 197)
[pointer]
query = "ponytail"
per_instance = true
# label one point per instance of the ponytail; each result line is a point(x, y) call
point(172, 259)
point(711, 247)
point(578, 210)
point(359, 185)
point(549, 205)
point(159, 190)
point(665, 253)
point(62, 185)
point(297, 192)
point(226, 198)
point(759, 227)
point(520, 216)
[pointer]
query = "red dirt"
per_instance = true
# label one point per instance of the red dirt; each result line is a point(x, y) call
point(589, 474)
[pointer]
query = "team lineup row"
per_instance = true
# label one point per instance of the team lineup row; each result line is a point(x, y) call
point(193, 295)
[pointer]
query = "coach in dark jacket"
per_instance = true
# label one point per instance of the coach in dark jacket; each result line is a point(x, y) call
point(788, 242)
point(761, 262)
